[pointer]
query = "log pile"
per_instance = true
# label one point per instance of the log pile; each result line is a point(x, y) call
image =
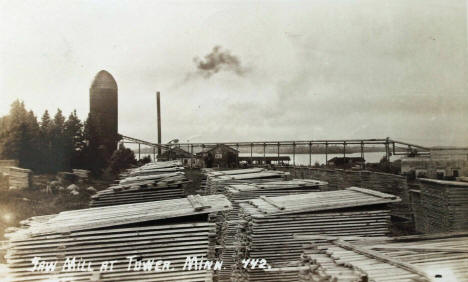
point(166, 230)
point(441, 257)
point(442, 206)
point(270, 222)
point(238, 193)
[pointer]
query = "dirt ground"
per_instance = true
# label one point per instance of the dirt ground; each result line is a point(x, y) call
point(18, 205)
point(196, 176)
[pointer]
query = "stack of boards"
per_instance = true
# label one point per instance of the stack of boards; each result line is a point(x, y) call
point(166, 230)
point(433, 257)
point(217, 180)
point(18, 178)
point(155, 168)
point(270, 224)
point(151, 182)
point(238, 193)
point(441, 206)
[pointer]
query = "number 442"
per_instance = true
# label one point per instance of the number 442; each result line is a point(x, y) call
point(255, 263)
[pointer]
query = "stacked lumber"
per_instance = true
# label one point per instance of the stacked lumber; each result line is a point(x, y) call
point(19, 178)
point(81, 173)
point(443, 206)
point(155, 168)
point(216, 180)
point(270, 222)
point(143, 189)
point(441, 257)
point(168, 230)
point(238, 193)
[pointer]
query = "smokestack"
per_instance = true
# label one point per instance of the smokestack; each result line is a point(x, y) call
point(158, 105)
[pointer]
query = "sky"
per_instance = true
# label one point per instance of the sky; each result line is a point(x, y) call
point(247, 70)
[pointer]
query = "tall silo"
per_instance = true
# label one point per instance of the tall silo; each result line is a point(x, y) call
point(103, 108)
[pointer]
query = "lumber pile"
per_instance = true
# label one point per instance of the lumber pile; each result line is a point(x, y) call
point(441, 257)
point(442, 206)
point(216, 180)
point(83, 174)
point(155, 168)
point(270, 222)
point(143, 189)
point(18, 178)
point(168, 230)
point(382, 182)
point(238, 193)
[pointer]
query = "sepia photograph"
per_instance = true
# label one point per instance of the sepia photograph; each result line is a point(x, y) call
point(234, 140)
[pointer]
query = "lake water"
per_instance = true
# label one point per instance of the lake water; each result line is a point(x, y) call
point(303, 159)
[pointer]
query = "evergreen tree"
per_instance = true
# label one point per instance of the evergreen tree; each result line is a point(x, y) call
point(74, 141)
point(122, 158)
point(45, 143)
point(13, 132)
point(96, 156)
point(58, 142)
point(30, 149)
point(19, 136)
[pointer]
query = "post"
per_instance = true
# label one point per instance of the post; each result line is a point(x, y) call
point(251, 154)
point(294, 153)
point(191, 155)
point(158, 108)
point(344, 150)
point(310, 153)
point(264, 153)
point(154, 154)
point(387, 150)
point(326, 153)
point(237, 155)
point(139, 158)
point(362, 154)
point(278, 153)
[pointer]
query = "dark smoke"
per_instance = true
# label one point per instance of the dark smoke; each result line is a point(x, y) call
point(218, 60)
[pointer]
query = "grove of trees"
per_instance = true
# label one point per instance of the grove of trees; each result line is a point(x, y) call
point(51, 144)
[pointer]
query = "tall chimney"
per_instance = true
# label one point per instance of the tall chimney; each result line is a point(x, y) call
point(158, 105)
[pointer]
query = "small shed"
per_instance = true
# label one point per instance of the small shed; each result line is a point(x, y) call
point(346, 162)
point(220, 156)
point(177, 154)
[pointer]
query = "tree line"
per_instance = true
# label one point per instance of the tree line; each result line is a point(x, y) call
point(54, 143)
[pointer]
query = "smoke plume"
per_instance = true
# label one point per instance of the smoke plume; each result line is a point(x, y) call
point(218, 60)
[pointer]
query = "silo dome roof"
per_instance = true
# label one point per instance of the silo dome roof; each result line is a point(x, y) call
point(104, 79)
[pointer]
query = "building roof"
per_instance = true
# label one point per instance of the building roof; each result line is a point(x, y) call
point(177, 152)
point(224, 147)
point(104, 79)
point(321, 201)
